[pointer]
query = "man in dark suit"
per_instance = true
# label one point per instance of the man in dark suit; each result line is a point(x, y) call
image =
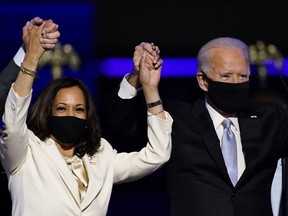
point(7, 76)
point(198, 177)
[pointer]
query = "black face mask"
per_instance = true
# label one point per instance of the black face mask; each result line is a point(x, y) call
point(228, 97)
point(67, 129)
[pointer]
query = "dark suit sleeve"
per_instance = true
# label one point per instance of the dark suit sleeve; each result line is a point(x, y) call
point(7, 77)
point(128, 118)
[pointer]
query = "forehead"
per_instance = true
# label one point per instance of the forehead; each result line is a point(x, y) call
point(229, 60)
point(70, 94)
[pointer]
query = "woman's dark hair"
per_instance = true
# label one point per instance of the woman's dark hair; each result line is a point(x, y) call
point(41, 110)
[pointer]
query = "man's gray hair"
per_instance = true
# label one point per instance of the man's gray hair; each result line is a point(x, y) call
point(221, 42)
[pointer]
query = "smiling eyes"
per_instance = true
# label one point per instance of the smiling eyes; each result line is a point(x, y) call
point(240, 77)
point(64, 109)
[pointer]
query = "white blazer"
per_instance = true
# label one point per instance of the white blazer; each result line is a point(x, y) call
point(40, 182)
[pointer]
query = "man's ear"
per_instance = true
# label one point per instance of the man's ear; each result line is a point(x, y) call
point(202, 82)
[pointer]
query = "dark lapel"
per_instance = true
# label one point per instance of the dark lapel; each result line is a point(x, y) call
point(210, 137)
point(250, 127)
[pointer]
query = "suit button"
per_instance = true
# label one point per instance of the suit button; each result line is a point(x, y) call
point(234, 194)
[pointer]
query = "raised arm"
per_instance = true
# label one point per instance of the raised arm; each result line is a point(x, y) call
point(8, 75)
point(159, 127)
point(152, 60)
point(149, 79)
point(34, 51)
point(127, 114)
point(15, 146)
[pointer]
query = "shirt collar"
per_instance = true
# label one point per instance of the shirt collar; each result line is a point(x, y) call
point(217, 118)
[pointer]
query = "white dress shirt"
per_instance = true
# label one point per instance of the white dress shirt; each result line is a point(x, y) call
point(19, 56)
point(217, 122)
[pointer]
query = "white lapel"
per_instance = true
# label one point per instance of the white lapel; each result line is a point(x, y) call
point(96, 179)
point(62, 168)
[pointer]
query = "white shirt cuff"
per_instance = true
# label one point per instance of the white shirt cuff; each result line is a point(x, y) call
point(19, 57)
point(126, 90)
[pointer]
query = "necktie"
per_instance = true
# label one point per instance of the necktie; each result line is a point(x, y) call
point(78, 170)
point(229, 151)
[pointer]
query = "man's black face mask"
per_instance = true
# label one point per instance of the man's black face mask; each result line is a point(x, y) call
point(227, 97)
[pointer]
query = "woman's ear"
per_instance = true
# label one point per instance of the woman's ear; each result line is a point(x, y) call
point(202, 82)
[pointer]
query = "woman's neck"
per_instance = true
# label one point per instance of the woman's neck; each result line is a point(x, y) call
point(66, 150)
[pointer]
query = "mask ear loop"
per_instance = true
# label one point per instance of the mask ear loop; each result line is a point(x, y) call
point(206, 78)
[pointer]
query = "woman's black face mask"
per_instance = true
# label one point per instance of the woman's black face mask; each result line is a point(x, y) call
point(227, 97)
point(67, 129)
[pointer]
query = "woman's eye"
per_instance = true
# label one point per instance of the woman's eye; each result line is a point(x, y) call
point(60, 108)
point(80, 110)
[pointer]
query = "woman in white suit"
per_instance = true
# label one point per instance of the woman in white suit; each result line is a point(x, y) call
point(57, 163)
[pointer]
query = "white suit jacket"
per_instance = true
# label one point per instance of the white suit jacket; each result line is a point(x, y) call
point(40, 182)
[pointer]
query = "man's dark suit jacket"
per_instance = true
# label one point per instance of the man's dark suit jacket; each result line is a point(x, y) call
point(7, 77)
point(197, 180)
